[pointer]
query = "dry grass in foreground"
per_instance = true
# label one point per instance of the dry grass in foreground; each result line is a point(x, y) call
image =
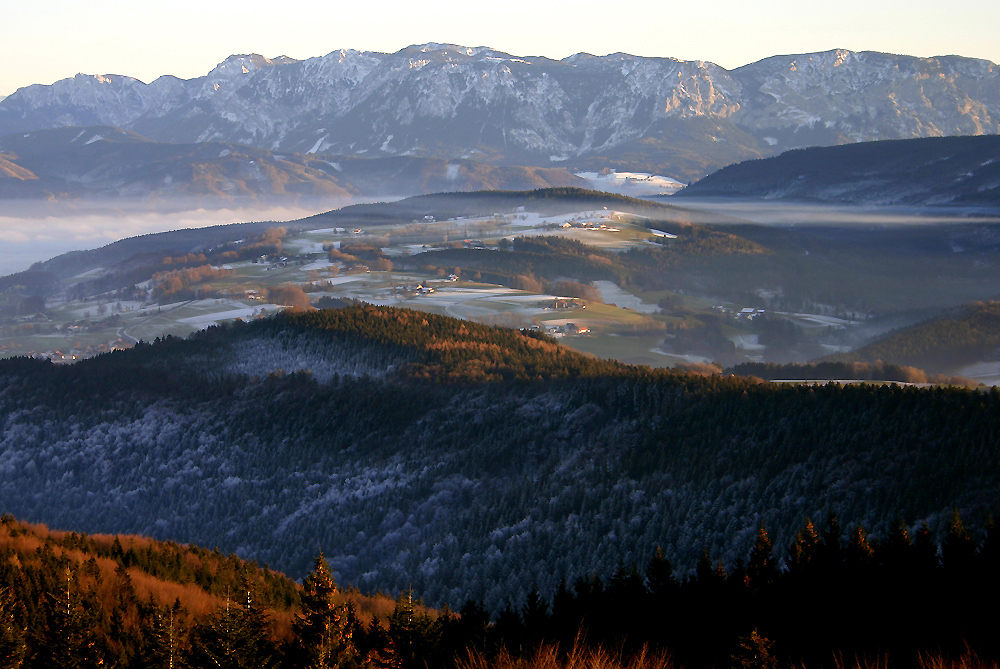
point(580, 657)
point(596, 657)
point(968, 660)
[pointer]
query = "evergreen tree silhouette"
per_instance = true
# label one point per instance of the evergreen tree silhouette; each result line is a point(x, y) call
point(761, 570)
point(234, 636)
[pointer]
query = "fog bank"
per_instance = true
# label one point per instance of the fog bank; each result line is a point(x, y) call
point(33, 232)
point(804, 213)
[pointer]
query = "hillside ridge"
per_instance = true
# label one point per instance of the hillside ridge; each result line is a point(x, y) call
point(959, 171)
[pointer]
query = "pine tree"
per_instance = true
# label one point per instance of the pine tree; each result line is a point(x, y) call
point(761, 569)
point(69, 641)
point(324, 639)
point(925, 552)
point(161, 638)
point(535, 616)
point(755, 653)
point(12, 643)
point(804, 549)
point(660, 576)
point(233, 637)
point(831, 554)
point(895, 553)
point(413, 636)
point(121, 639)
point(860, 553)
point(958, 551)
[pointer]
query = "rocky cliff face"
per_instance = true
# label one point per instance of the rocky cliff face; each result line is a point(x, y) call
point(657, 114)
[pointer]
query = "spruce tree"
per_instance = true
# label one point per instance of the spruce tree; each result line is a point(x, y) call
point(762, 570)
point(12, 642)
point(535, 615)
point(860, 553)
point(69, 640)
point(895, 554)
point(234, 637)
point(413, 635)
point(754, 653)
point(161, 638)
point(660, 576)
point(958, 551)
point(323, 639)
point(804, 549)
point(831, 554)
point(925, 552)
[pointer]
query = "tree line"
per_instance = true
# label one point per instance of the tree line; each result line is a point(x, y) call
point(70, 600)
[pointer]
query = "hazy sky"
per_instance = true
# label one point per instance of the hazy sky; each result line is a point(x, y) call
point(42, 41)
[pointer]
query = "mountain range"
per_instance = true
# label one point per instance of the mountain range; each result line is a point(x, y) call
point(682, 119)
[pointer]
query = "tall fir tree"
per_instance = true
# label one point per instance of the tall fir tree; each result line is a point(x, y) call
point(161, 638)
point(12, 633)
point(68, 640)
point(804, 549)
point(413, 635)
point(762, 569)
point(234, 636)
point(958, 550)
point(324, 639)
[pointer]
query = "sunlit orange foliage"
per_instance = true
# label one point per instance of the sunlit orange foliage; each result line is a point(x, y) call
point(700, 368)
point(171, 283)
point(185, 259)
point(290, 295)
point(22, 541)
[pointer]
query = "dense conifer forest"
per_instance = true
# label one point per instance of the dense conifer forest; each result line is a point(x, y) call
point(836, 599)
point(467, 461)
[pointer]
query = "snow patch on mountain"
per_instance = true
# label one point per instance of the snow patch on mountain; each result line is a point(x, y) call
point(460, 99)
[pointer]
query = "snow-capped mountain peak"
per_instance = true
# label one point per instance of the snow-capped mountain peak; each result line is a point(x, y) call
point(663, 115)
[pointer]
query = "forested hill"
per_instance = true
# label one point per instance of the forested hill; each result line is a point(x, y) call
point(547, 201)
point(944, 344)
point(929, 170)
point(70, 599)
point(469, 461)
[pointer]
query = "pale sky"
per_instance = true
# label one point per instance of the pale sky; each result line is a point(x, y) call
point(42, 41)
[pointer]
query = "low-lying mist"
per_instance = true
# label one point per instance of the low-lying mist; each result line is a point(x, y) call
point(804, 213)
point(31, 231)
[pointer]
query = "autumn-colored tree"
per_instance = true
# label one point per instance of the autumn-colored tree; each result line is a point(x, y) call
point(290, 295)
